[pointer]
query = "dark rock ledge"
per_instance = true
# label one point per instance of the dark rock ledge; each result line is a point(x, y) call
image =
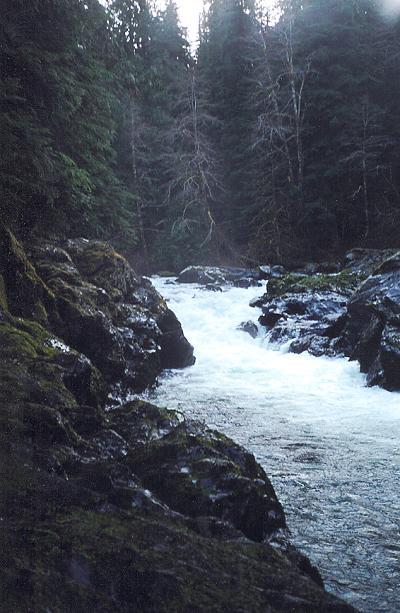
point(135, 509)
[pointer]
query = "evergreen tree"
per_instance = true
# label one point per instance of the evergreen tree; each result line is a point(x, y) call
point(226, 63)
point(56, 109)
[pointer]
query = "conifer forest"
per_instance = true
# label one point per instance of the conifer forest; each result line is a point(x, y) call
point(199, 306)
point(277, 138)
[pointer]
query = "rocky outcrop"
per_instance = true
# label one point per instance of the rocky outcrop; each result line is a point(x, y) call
point(307, 311)
point(355, 313)
point(372, 332)
point(365, 261)
point(135, 509)
point(102, 309)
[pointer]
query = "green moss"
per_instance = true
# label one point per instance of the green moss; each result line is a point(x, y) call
point(3, 295)
point(98, 257)
point(25, 338)
point(345, 282)
point(40, 313)
point(27, 294)
point(16, 343)
point(131, 562)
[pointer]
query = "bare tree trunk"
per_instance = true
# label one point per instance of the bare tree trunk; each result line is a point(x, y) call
point(365, 170)
point(297, 94)
point(277, 110)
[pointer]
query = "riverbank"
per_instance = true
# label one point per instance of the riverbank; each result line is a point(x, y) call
point(327, 441)
point(127, 507)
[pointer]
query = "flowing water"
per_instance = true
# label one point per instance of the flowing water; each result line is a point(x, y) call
point(330, 445)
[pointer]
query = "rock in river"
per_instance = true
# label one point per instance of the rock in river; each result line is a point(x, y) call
point(372, 333)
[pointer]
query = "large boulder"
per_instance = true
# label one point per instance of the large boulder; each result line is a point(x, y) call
point(352, 313)
point(22, 291)
point(365, 261)
point(309, 312)
point(205, 474)
point(107, 312)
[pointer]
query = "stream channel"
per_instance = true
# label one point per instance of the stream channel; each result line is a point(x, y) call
point(330, 445)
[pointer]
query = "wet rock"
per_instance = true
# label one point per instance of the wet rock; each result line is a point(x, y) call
point(176, 351)
point(206, 474)
point(277, 272)
point(133, 509)
point(141, 423)
point(108, 313)
point(309, 311)
point(341, 314)
point(258, 302)
point(250, 327)
point(140, 562)
point(270, 317)
point(245, 283)
point(264, 272)
point(201, 275)
point(22, 291)
point(365, 261)
point(207, 275)
point(372, 332)
point(312, 321)
point(344, 283)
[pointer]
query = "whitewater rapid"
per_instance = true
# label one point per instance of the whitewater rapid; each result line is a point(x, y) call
point(330, 445)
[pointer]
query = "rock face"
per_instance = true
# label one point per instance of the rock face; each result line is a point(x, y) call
point(135, 509)
point(102, 309)
point(355, 313)
point(307, 311)
point(372, 332)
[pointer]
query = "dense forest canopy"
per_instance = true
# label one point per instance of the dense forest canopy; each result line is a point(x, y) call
point(276, 140)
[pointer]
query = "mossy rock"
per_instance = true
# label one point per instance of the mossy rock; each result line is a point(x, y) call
point(140, 422)
point(198, 472)
point(27, 295)
point(86, 560)
point(344, 282)
point(100, 264)
point(36, 366)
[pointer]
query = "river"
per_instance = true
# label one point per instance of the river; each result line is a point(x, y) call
point(330, 445)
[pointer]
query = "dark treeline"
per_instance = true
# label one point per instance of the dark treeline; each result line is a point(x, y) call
point(279, 140)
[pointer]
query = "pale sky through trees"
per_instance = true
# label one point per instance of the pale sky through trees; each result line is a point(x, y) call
point(189, 12)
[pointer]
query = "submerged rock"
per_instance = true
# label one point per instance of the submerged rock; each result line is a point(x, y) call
point(250, 327)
